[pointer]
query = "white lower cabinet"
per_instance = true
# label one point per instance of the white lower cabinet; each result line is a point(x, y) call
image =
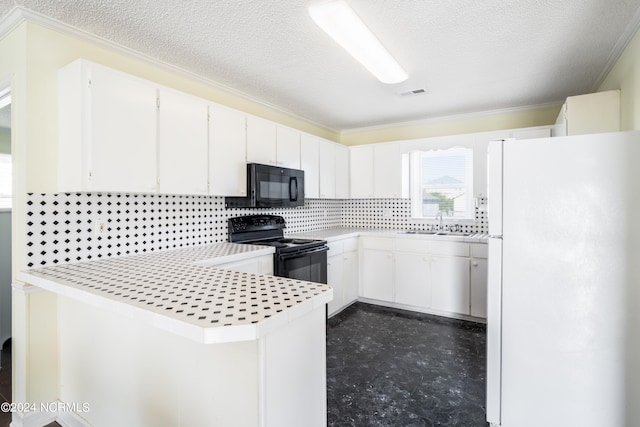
point(450, 278)
point(350, 275)
point(377, 268)
point(412, 279)
point(378, 275)
point(443, 277)
point(334, 278)
point(342, 273)
point(258, 265)
point(479, 265)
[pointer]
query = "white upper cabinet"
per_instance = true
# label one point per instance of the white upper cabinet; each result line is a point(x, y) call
point(327, 170)
point(272, 144)
point(261, 141)
point(387, 171)
point(342, 171)
point(182, 143)
point(227, 152)
point(310, 164)
point(590, 113)
point(287, 147)
point(361, 171)
point(107, 130)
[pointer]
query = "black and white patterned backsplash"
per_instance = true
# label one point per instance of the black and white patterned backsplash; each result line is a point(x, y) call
point(395, 214)
point(61, 227)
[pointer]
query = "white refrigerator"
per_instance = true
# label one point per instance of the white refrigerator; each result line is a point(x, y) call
point(563, 324)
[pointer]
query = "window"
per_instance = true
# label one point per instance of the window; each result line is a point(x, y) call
point(5, 180)
point(442, 181)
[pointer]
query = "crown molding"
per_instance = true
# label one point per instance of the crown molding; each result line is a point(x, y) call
point(622, 43)
point(19, 14)
point(443, 119)
point(11, 20)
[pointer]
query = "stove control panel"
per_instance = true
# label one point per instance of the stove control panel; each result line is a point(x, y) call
point(248, 223)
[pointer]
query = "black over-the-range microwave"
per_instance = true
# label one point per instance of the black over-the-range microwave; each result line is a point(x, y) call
point(270, 187)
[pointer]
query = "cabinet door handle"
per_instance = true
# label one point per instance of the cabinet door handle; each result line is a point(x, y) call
point(475, 264)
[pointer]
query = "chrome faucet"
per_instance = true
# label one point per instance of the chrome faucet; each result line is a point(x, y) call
point(441, 223)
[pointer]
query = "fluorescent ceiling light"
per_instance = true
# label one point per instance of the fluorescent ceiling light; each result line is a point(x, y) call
point(343, 25)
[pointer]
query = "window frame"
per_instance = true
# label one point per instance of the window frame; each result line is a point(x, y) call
point(416, 186)
point(6, 203)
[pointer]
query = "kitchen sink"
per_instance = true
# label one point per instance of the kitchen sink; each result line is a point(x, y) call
point(435, 233)
point(452, 233)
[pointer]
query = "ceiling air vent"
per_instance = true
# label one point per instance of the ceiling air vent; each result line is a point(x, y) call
point(413, 92)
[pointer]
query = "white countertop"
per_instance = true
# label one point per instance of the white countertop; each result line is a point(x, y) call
point(179, 291)
point(338, 233)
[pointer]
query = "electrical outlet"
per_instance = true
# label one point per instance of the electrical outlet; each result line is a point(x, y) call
point(387, 213)
point(100, 228)
point(324, 213)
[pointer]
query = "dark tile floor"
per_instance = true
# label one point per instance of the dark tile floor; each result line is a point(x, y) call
point(388, 367)
point(5, 382)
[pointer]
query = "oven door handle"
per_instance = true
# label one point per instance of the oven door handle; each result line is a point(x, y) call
point(285, 257)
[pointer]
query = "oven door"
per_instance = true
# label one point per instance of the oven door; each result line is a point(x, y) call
point(308, 265)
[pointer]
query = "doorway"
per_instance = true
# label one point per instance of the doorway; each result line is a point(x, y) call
point(6, 203)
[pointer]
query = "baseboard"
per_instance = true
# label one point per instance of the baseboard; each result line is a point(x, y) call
point(422, 310)
point(42, 418)
point(32, 419)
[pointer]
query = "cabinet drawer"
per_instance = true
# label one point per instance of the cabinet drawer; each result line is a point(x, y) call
point(480, 251)
point(377, 243)
point(335, 248)
point(452, 248)
point(351, 244)
point(423, 246)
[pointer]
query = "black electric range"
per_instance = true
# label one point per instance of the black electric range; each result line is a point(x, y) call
point(302, 259)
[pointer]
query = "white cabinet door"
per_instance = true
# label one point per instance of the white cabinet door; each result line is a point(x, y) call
point(593, 113)
point(227, 152)
point(479, 287)
point(387, 171)
point(335, 279)
point(182, 144)
point(450, 284)
point(377, 274)
point(412, 279)
point(107, 130)
point(123, 132)
point(310, 164)
point(342, 171)
point(350, 277)
point(361, 171)
point(261, 141)
point(288, 147)
point(327, 170)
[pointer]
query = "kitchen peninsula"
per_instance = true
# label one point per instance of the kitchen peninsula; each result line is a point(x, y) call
point(174, 338)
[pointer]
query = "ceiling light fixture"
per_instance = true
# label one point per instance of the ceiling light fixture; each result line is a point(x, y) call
point(343, 25)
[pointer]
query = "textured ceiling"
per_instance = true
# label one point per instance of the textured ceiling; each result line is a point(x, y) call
point(469, 55)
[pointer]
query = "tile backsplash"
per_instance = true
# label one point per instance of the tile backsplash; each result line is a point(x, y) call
point(60, 227)
point(395, 214)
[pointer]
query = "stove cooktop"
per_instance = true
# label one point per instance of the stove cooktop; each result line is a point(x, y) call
point(288, 243)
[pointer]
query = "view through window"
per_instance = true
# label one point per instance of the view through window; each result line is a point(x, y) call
point(442, 182)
